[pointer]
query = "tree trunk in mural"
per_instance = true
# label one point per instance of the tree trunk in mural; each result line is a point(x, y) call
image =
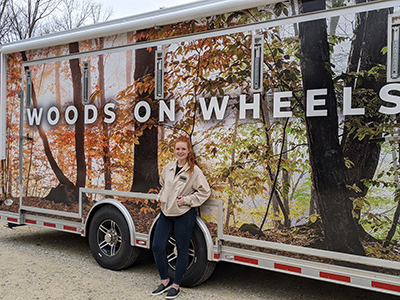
point(129, 60)
point(325, 154)
point(79, 125)
point(145, 171)
point(105, 129)
point(370, 39)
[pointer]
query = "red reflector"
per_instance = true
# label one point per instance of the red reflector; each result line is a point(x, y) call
point(30, 221)
point(385, 286)
point(69, 228)
point(246, 260)
point(49, 224)
point(335, 277)
point(141, 242)
point(217, 255)
point(287, 268)
point(12, 220)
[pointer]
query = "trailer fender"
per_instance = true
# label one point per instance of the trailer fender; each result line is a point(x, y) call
point(207, 237)
point(123, 211)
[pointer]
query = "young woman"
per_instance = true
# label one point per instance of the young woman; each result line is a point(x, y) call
point(183, 187)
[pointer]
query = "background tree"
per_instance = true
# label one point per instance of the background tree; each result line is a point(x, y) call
point(28, 16)
point(22, 19)
point(4, 19)
point(76, 13)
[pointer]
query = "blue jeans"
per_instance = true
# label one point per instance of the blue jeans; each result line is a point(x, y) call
point(183, 226)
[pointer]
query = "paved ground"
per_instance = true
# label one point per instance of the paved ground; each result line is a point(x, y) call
point(38, 263)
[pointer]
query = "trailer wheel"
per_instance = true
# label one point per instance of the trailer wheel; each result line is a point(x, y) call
point(109, 239)
point(199, 267)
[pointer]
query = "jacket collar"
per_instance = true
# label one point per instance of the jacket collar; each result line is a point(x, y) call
point(184, 168)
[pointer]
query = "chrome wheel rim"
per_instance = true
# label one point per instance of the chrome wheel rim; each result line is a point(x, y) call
point(109, 238)
point(172, 253)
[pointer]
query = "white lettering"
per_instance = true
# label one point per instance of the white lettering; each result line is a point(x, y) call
point(33, 116)
point(56, 112)
point(74, 110)
point(255, 106)
point(146, 106)
point(395, 99)
point(164, 110)
point(278, 104)
point(90, 107)
point(347, 109)
point(109, 113)
point(312, 103)
point(213, 106)
point(281, 107)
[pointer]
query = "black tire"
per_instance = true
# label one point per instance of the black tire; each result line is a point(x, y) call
point(199, 267)
point(109, 239)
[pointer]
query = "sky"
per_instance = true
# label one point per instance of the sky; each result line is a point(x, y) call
point(125, 8)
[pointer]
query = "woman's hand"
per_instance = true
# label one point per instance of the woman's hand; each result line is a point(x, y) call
point(180, 201)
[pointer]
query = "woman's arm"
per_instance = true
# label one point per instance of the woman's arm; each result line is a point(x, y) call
point(201, 192)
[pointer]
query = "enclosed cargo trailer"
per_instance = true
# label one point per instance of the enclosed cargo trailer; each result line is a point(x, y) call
point(291, 107)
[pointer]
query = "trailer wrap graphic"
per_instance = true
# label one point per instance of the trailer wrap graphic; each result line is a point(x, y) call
point(308, 157)
point(387, 94)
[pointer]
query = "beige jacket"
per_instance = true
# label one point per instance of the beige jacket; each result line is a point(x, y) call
point(194, 189)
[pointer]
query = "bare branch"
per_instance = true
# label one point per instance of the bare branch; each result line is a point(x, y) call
point(22, 19)
point(75, 13)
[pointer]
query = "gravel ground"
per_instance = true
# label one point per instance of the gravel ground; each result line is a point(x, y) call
point(37, 263)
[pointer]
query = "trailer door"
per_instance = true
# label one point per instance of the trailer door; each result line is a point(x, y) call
point(46, 139)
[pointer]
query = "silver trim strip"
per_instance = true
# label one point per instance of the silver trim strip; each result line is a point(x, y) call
point(51, 212)
point(357, 259)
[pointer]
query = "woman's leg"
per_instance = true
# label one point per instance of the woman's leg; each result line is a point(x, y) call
point(162, 233)
point(183, 231)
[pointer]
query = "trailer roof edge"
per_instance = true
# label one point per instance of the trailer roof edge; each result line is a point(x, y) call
point(160, 17)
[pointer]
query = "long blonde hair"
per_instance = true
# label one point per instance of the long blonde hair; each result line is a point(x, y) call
point(191, 158)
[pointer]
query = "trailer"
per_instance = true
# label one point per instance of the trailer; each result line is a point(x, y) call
point(292, 109)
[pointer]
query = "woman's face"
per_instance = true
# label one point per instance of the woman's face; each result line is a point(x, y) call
point(181, 151)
